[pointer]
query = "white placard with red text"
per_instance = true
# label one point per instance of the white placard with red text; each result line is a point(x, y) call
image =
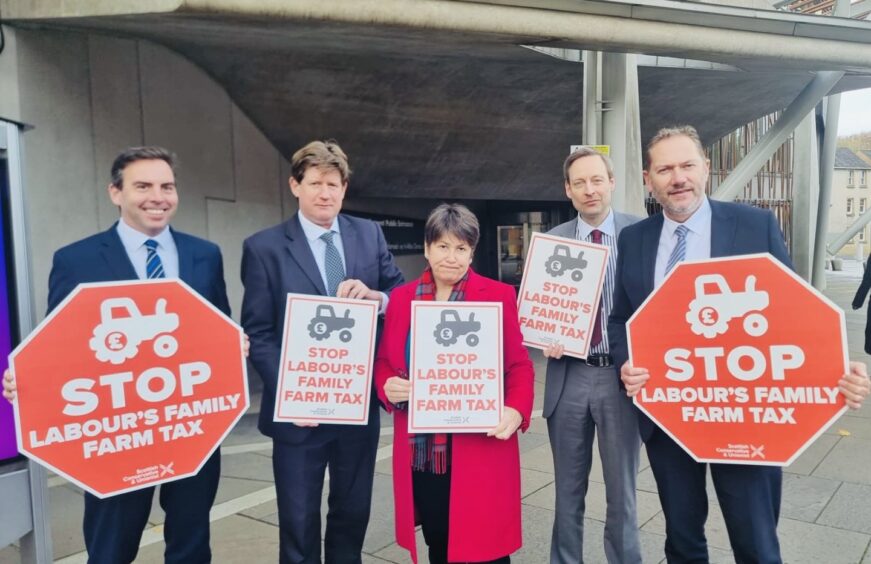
point(456, 367)
point(560, 292)
point(326, 360)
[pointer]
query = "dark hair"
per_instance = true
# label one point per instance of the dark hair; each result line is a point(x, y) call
point(587, 152)
point(133, 154)
point(452, 219)
point(674, 131)
point(320, 154)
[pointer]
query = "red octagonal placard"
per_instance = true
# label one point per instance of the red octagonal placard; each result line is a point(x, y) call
point(128, 385)
point(744, 360)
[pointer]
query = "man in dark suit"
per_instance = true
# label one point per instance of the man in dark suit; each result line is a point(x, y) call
point(581, 397)
point(690, 228)
point(141, 245)
point(321, 252)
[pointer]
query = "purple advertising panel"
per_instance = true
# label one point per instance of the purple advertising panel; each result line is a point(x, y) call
point(8, 448)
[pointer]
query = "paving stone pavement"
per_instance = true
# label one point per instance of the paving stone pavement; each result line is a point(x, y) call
point(826, 513)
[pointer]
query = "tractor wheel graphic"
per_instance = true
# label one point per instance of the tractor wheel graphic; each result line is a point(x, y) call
point(165, 346)
point(345, 336)
point(471, 339)
point(755, 324)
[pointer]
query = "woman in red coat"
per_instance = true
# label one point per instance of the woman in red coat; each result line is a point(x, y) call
point(464, 488)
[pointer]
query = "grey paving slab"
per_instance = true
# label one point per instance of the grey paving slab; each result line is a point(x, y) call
point(380, 532)
point(852, 425)
point(804, 543)
point(849, 461)
point(532, 480)
point(266, 512)
point(66, 508)
point(805, 497)
point(813, 455)
point(10, 555)
point(849, 509)
point(539, 458)
point(538, 426)
point(245, 431)
point(529, 441)
point(247, 466)
point(235, 540)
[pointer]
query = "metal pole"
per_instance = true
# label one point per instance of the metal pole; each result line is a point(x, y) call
point(36, 545)
point(774, 138)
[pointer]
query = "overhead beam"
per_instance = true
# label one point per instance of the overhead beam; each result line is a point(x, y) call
point(849, 233)
point(762, 150)
point(682, 29)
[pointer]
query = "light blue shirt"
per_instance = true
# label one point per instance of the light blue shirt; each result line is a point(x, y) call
point(318, 247)
point(134, 244)
point(698, 239)
point(609, 238)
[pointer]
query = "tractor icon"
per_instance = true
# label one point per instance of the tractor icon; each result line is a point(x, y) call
point(117, 338)
point(452, 327)
point(709, 313)
point(562, 260)
point(326, 321)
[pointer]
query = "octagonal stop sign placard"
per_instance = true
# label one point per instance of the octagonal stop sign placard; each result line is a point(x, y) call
point(128, 385)
point(744, 360)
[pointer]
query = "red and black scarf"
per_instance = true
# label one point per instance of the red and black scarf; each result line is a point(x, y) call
point(430, 452)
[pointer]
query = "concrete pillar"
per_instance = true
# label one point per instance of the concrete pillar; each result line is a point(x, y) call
point(612, 117)
point(805, 189)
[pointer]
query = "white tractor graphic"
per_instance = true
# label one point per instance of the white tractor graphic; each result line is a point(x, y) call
point(117, 339)
point(709, 313)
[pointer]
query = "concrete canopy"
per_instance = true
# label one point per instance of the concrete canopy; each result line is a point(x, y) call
point(432, 113)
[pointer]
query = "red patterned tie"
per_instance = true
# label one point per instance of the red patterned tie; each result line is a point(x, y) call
point(596, 236)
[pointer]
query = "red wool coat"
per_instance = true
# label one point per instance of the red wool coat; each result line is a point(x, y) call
point(484, 521)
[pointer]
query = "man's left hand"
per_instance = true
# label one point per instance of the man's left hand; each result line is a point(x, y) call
point(356, 290)
point(511, 420)
point(855, 386)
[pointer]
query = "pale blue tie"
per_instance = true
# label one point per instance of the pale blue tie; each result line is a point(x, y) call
point(679, 252)
point(332, 264)
point(153, 266)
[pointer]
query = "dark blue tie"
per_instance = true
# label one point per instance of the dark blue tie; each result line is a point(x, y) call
point(332, 264)
point(153, 266)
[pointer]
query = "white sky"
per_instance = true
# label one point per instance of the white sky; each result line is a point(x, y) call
point(855, 112)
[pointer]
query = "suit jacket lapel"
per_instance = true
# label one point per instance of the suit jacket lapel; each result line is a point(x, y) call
point(185, 258)
point(113, 252)
point(723, 228)
point(300, 252)
point(649, 247)
point(350, 242)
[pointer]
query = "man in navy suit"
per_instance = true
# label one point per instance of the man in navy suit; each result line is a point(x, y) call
point(691, 227)
point(143, 187)
point(317, 251)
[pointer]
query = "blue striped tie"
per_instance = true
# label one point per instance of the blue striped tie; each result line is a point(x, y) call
point(680, 249)
point(332, 264)
point(153, 266)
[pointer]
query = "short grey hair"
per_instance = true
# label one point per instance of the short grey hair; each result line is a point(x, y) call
point(674, 131)
point(587, 152)
point(133, 154)
point(452, 219)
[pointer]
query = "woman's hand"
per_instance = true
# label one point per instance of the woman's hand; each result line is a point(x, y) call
point(397, 389)
point(8, 386)
point(511, 420)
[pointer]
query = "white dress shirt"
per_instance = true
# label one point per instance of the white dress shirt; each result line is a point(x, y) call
point(134, 244)
point(698, 239)
point(313, 234)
